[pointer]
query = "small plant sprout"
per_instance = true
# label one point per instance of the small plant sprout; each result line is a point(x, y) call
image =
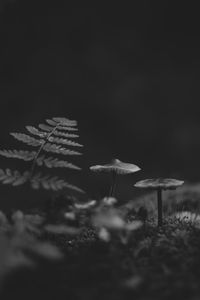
point(115, 167)
point(159, 185)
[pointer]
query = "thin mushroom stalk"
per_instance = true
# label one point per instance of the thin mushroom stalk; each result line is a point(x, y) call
point(114, 184)
point(160, 212)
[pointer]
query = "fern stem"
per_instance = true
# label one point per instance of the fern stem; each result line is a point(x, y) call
point(40, 150)
point(35, 159)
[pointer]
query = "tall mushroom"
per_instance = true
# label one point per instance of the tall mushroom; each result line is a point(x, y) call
point(115, 167)
point(159, 185)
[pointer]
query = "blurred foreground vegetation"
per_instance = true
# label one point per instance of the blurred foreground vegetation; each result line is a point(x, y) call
point(103, 250)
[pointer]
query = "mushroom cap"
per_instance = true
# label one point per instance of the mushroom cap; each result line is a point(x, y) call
point(117, 166)
point(159, 183)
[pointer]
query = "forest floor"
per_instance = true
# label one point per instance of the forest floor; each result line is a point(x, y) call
point(156, 263)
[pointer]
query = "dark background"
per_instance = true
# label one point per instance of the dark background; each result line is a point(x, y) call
point(128, 74)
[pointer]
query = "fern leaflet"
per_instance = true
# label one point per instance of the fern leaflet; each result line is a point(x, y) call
point(63, 141)
point(51, 183)
point(13, 177)
point(50, 128)
point(20, 154)
point(65, 134)
point(27, 139)
point(48, 147)
point(51, 162)
point(65, 121)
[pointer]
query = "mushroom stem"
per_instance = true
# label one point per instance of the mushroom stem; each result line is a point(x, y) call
point(159, 195)
point(113, 186)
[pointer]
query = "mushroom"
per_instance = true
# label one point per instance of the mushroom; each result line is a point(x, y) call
point(115, 167)
point(159, 185)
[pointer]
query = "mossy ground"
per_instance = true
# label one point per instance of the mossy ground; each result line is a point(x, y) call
point(157, 263)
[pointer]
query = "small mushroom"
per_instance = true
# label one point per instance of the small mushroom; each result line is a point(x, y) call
point(159, 185)
point(115, 167)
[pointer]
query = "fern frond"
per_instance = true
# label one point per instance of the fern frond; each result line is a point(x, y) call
point(20, 154)
point(37, 132)
point(65, 134)
point(51, 162)
point(52, 183)
point(13, 177)
point(48, 147)
point(27, 139)
point(51, 137)
point(63, 141)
